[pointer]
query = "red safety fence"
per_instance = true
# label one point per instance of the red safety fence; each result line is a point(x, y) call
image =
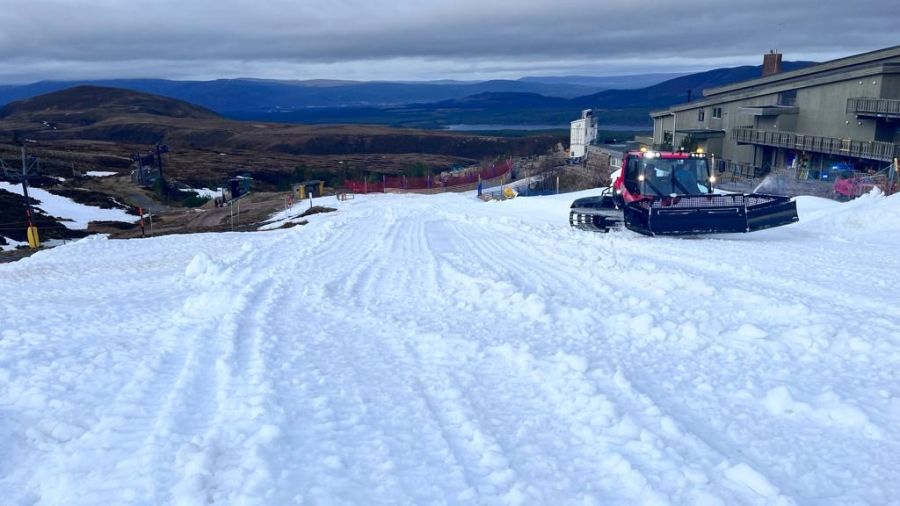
point(385, 183)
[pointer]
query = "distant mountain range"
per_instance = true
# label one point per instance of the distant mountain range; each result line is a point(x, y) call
point(615, 106)
point(607, 82)
point(432, 104)
point(266, 95)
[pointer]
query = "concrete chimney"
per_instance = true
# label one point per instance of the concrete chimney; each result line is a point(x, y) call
point(771, 63)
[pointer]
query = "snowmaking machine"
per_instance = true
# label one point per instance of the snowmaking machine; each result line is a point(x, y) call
point(672, 193)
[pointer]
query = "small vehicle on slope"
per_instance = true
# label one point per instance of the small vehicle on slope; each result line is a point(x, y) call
point(672, 193)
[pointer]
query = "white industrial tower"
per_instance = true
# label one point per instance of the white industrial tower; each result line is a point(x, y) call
point(583, 132)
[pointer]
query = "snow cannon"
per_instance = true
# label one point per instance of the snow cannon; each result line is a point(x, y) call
point(672, 193)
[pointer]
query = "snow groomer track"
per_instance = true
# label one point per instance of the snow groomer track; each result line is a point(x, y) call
point(441, 350)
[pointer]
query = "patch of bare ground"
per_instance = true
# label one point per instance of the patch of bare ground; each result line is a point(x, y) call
point(243, 215)
point(292, 224)
point(317, 209)
point(16, 254)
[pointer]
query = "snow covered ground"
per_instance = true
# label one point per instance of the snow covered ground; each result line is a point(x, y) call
point(76, 216)
point(11, 244)
point(437, 349)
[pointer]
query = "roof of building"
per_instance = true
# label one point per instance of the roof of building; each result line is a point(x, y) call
point(840, 64)
point(880, 61)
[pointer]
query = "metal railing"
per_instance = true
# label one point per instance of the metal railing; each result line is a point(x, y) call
point(874, 106)
point(738, 170)
point(874, 150)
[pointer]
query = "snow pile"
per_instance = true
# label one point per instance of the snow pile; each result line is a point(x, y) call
point(437, 349)
point(293, 214)
point(100, 173)
point(827, 409)
point(870, 214)
point(74, 216)
point(205, 192)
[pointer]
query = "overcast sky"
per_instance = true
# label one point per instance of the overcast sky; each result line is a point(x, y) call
point(414, 40)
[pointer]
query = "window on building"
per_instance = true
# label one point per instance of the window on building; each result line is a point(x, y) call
point(717, 112)
point(701, 115)
point(787, 97)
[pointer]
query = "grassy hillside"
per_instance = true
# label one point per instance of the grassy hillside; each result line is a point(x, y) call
point(101, 127)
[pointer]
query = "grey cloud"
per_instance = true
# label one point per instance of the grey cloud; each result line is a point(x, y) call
point(49, 39)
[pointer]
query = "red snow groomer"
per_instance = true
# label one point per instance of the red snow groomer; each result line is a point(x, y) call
point(672, 193)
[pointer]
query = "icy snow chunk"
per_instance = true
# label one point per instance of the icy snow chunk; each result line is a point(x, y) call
point(688, 331)
point(746, 475)
point(695, 475)
point(573, 362)
point(669, 427)
point(204, 270)
point(520, 356)
point(749, 331)
point(193, 461)
point(59, 430)
point(533, 308)
point(267, 433)
point(827, 409)
point(847, 415)
point(200, 264)
point(780, 401)
point(641, 324)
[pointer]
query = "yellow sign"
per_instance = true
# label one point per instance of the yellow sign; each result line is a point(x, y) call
point(34, 241)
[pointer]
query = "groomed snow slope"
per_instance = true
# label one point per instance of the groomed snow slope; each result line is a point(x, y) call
point(422, 350)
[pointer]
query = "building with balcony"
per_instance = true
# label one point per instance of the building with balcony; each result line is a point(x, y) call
point(844, 112)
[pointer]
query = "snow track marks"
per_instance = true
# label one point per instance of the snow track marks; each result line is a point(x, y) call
point(411, 350)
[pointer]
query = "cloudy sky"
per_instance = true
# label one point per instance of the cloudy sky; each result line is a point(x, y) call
point(413, 40)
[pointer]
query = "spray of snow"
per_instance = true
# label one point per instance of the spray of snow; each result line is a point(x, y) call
point(773, 184)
